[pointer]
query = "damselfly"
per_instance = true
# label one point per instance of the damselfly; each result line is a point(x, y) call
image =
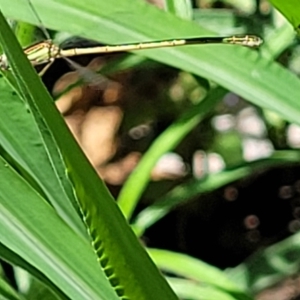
point(46, 52)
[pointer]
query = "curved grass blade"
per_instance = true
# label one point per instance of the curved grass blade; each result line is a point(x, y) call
point(196, 270)
point(14, 259)
point(291, 10)
point(268, 266)
point(187, 289)
point(278, 41)
point(194, 188)
point(20, 138)
point(168, 140)
point(42, 239)
point(7, 292)
point(180, 8)
point(125, 263)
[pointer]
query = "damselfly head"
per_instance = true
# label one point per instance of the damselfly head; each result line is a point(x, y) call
point(252, 41)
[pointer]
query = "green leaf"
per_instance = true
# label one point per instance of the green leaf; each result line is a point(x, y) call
point(291, 10)
point(278, 40)
point(194, 269)
point(7, 292)
point(16, 260)
point(20, 137)
point(245, 72)
point(268, 266)
point(120, 255)
point(194, 188)
point(181, 8)
point(167, 141)
point(26, 227)
point(187, 289)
